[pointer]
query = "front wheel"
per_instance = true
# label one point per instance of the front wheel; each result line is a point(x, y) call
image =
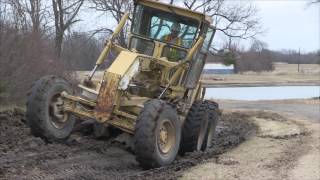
point(45, 114)
point(157, 134)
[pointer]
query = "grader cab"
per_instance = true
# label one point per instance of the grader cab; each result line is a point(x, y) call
point(151, 90)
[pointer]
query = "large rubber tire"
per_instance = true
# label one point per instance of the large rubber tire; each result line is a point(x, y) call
point(199, 127)
point(39, 116)
point(147, 134)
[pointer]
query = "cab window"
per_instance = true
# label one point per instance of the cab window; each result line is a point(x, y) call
point(154, 24)
point(207, 40)
point(160, 27)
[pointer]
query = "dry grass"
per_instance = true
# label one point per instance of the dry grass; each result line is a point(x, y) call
point(284, 74)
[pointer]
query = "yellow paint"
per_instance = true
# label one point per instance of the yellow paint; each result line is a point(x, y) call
point(122, 63)
point(194, 49)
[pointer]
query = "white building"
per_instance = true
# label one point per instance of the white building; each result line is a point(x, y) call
point(217, 68)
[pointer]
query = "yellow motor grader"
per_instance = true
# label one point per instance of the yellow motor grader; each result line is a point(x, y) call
point(150, 91)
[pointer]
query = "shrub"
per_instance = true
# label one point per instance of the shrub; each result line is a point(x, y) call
point(2, 88)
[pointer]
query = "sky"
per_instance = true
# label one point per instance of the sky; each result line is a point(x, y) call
point(287, 24)
point(290, 24)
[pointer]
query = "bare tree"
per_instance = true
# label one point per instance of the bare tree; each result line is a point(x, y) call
point(19, 17)
point(258, 46)
point(29, 14)
point(313, 2)
point(81, 60)
point(65, 13)
point(236, 20)
point(116, 8)
point(36, 12)
point(20, 52)
point(3, 14)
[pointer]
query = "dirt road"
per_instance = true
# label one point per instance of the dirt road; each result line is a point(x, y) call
point(285, 147)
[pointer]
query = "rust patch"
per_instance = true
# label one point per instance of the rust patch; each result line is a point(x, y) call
point(106, 97)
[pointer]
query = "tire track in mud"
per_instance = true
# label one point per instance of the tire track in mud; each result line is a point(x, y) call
point(23, 156)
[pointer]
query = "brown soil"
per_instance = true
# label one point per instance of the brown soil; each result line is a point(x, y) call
point(23, 156)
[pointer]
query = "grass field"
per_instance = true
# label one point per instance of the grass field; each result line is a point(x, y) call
point(284, 74)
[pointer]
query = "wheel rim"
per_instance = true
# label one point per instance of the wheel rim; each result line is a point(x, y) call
point(57, 117)
point(166, 136)
point(203, 131)
point(210, 135)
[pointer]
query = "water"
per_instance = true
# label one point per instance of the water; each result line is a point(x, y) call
point(263, 93)
point(218, 71)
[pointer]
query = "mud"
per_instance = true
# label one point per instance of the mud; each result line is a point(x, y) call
point(23, 156)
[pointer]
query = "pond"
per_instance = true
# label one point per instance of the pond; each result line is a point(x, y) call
point(263, 93)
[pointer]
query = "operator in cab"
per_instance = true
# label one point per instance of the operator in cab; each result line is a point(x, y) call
point(173, 54)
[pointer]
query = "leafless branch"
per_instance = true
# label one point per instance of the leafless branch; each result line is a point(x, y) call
point(65, 13)
point(234, 20)
point(116, 8)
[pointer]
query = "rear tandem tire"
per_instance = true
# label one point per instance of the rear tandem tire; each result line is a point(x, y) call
point(199, 127)
point(39, 109)
point(157, 134)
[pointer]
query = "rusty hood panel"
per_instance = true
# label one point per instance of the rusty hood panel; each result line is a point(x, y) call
point(106, 97)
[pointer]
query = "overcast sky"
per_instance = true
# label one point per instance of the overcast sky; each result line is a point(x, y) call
point(289, 24)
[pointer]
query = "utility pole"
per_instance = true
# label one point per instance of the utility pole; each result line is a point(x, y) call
point(299, 58)
point(229, 43)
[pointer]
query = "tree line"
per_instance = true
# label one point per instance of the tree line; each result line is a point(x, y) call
point(258, 57)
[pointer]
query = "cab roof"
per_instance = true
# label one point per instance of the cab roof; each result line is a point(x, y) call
point(176, 10)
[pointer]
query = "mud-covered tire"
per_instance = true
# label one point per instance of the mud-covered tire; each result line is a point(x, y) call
point(148, 150)
point(100, 131)
point(38, 115)
point(194, 125)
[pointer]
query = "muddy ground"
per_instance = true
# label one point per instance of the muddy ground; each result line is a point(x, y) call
point(23, 156)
